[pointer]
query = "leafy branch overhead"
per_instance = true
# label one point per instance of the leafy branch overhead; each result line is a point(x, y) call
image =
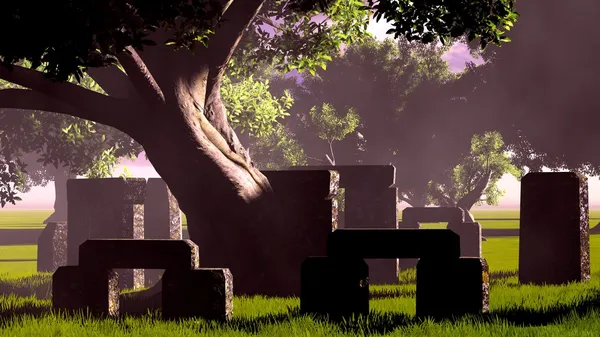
point(251, 106)
point(426, 21)
point(302, 34)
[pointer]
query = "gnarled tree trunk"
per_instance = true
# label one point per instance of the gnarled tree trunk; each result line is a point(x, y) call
point(60, 195)
point(155, 103)
point(470, 199)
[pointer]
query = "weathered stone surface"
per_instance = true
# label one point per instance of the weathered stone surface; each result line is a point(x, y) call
point(52, 247)
point(448, 287)
point(147, 254)
point(470, 238)
point(76, 288)
point(205, 293)
point(106, 208)
point(338, 287)
point(554, 229)
point(393, 243)
point(162, 220)
point(162, 217)
point(303, 200)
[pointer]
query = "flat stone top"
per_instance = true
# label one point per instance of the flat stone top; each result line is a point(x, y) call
point(128, 189)
point(143, 254)
point(552, 176)
point(432, 214)
point(393, 243)
point(378, 175)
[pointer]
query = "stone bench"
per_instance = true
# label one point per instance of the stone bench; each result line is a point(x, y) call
point(187, 291)
point(469, 232)
point(447, 284)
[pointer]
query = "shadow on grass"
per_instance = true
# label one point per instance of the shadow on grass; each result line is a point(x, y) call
point(389, 292)
point(22, 302)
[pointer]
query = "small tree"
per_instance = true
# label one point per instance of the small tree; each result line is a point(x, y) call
point(331, 126)
point(474, 180)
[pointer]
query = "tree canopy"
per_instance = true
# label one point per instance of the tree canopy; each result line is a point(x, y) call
point(166, 91)
point(474, 181)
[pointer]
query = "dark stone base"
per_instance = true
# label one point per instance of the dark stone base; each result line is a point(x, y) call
point(451, 287)
point(336, 287)
point(205, 293)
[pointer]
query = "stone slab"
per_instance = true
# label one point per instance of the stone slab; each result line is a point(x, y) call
point(452, 287)
point(202, 293)
point(554, 228)
point(393, 243)
point(143, 254)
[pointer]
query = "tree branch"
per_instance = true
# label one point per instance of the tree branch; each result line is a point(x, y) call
point(67, 92)
point(140, 76)
point(236, 18)
point(89, 105)
point(26, 99)
point(113, 81)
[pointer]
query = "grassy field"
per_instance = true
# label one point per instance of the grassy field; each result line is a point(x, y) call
point(515, 310)
point(32, 219)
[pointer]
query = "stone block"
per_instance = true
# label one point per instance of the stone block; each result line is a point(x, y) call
point(374, 208)
point(162, 217)
point(106, 208)
point(370, 203)
point(205, 293)
point(146, 254)
point(338, 287)
point(162, 220)
point(52, 247)
point(79, 288)
point(393, 243)
point(470, 238)
point(452, 287)
point(554, 228)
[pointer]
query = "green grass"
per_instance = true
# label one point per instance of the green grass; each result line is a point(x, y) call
point(23, 219)
point(569, 310)
point(515, 310)
point(500, 219)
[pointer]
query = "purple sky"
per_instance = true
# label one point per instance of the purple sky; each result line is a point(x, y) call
point(43, 197)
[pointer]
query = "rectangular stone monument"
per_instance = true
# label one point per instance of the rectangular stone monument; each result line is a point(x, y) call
point(370, 202)
point(108, 208)
point(52, 247)
point(304, 199)
point(554, 228)
point(162, 220)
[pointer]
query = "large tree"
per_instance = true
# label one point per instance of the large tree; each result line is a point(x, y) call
point(174, 54)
